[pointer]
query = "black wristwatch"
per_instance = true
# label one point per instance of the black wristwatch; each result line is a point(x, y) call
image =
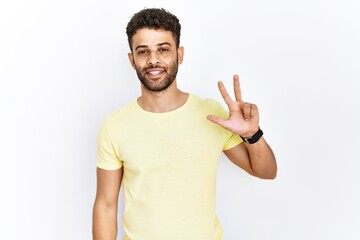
point(254, 138)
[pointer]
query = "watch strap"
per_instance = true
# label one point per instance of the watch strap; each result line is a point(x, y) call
point(254, 138)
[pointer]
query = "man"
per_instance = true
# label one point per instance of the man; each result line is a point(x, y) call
point(165, 145)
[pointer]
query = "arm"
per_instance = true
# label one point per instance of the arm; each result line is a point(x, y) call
point(258, 158)
point(106, 204)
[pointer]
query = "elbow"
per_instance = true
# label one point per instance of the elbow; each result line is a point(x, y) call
point(269, 172)
point(270, 176)
point(267, 175)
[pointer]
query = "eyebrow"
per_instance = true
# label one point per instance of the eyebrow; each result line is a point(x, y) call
point(146, 46)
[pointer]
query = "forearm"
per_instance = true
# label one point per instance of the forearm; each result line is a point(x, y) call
point(104, 222)
point(262, 159)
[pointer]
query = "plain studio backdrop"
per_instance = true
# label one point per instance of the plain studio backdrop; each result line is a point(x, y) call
point(64, 66)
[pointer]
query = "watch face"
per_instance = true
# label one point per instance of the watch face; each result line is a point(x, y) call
point(245, 139)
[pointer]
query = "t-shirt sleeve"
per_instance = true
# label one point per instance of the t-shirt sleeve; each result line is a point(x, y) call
point(107, 158)
point(231, 139)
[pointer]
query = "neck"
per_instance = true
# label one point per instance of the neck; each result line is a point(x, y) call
point(163, 101)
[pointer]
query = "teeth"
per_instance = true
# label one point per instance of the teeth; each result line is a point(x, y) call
point(154, 72)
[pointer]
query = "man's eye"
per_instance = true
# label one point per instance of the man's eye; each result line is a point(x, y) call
point(142, 52)
point(164, 50)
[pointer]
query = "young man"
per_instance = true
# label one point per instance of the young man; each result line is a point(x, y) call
point(165, 146)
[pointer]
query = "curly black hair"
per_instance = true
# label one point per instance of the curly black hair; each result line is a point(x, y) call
point(154, 18)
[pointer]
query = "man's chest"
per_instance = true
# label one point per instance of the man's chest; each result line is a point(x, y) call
point(163, 144)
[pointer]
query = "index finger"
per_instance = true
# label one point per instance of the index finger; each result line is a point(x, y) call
point(225, 94)
point(237, 89)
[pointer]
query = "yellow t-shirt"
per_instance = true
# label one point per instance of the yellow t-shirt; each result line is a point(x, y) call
point(170, 162)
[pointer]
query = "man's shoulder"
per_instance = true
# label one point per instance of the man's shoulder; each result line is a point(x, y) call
point(121, 112)
point(206, 102)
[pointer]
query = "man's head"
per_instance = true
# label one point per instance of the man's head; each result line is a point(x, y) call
point(153, 36)
point(154, 18)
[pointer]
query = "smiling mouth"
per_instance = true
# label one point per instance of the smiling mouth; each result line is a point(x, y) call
point(155, 73)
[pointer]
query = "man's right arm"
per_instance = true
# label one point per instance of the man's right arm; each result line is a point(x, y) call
point(106, 204)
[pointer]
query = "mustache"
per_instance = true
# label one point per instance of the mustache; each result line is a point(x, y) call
point(154, 66)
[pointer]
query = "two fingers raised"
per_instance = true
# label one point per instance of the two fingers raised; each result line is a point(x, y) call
point(249, 110)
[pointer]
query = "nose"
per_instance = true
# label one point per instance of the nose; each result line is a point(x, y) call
point(153, 59)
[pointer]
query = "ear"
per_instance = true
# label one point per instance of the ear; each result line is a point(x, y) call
point(131, 59)
point(180, 52)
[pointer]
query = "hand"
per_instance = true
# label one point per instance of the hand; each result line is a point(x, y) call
point(243, 116)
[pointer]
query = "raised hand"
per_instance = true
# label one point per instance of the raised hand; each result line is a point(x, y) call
point(243, 116)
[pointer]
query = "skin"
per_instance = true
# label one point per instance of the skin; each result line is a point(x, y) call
point(257, 159)
point(153, 42)
point(154, 54)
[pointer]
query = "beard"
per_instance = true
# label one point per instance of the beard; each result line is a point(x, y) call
point(159, 84)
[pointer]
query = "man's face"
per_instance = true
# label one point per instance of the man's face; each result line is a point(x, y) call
point(155, 58)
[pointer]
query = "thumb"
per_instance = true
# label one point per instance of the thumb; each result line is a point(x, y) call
point(216, 120)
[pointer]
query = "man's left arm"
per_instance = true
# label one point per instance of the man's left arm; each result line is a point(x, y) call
point(257, 159)
point(254, 155)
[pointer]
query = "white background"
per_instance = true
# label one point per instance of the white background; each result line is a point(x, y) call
point(64, 66)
